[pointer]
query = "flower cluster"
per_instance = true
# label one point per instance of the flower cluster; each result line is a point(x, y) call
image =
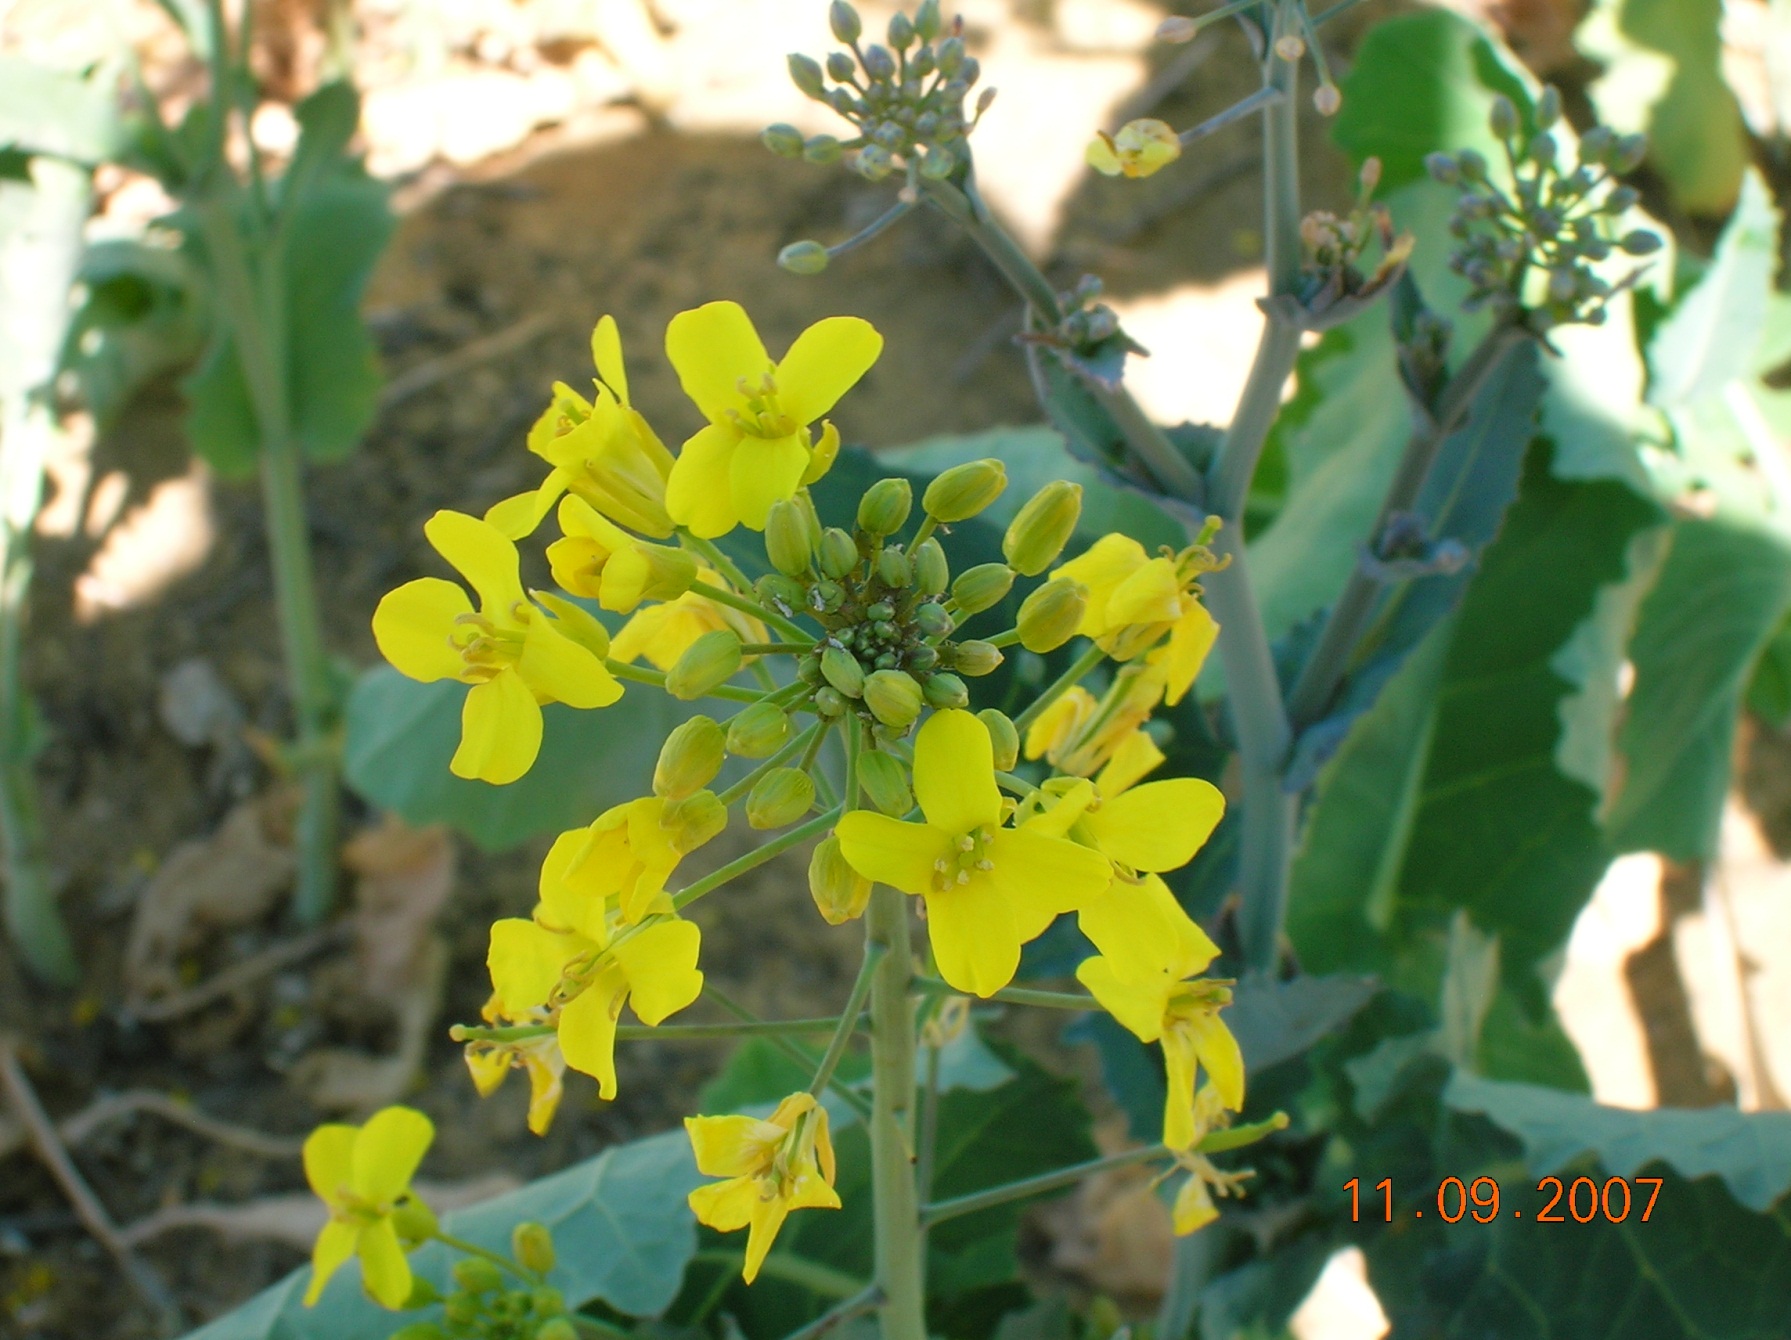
point(1530, 252)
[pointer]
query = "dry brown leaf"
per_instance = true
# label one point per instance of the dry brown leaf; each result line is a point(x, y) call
point(1114, 1233)
point(405, 877)
point(339, 1079)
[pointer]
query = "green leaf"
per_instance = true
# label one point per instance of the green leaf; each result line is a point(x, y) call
point(48, 112)
point(1769, 690)
point(401, 734)
point(141, 319)
point(15, 164)
point(622, 1233)
point(1749, 1151)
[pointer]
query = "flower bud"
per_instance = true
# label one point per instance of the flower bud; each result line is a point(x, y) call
point(1629, 153)
point(884, 781)
point(690, 758)
point(462, 1309)
point(558, 1328)
point(893, 697)
point(787, 538)
point(707, 663)
point(759, 731)
point(532, 1246)
point(775, 589)
point(1503, 117)
point(931, 571)
point(838, 552)
point(841, 669)
point(547, 1301)
point(783, 140)
point(413, 1220)
point(1003, 735)
point(1548, 108)
point(805, 73)
point(844, 22)
point(878, 63)
point(1038, 534)
point(938, 164)
point(1050, 616)
point(976, 658)
point(1471, 164)
point(964, 490)
point(1327, 100)
point(894, 569)
point(829, 701)
point(932, 620)
point(1640, 242)
point(781, 796)
point(693, 821)
point(477, 1275)
point(839, 891)
point(926, 20)
point(1177, 28)
point(982, 587)
point(419, 1330)
point(807, 257)
point(822, 149)
point(951, 56)
point(945, 690)
point(1290, 46)
point(827, 596)
point(901, 31)
point(885, 506)
point(1443, 168)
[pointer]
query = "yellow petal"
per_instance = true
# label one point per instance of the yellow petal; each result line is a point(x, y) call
point(482, 554)
point(1179, 1128)
point(660, 963)
point(725, 1206)
point(1151, 594)
point(412, 626)
point(1189, 642)
point(334, 1246)
point(762, 472)
point(500, 731)
point(954, 773)
point(387, 1152)
point(329, 1160)
point(732, 1146)
point(713, 347)
point(488, 1069)
point(1136, 930)
point(1100, 155)
point(606, 354)
point(825, 362)
point(1136, 1006)
point(768, 1215)
point(976, 942)
point(546, 1085)
point(575, 622)
point(892, 852)
point(1042, 876)
point(578, 518)
point(1134, 757)
point(699, 494)
point(571, 899)
point(518, 516)
point(385, 1272)
point(1194, 1208)
point(822, 455)
point(1157, 826)
point(561, 670)
point(526, 961)
point(1101, 568)
point(588, 1031)
point(1220, 1057)
point(1057, 724)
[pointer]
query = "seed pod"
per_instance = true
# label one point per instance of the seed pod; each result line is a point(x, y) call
point(707, 663)
point(982, 587)
point(839, 891)
point(807, 257)
point(1050, 616)
point(783, 140)
point(946, 690)
point(1039, 532)
point(841, 669)
point(844, 21)
point(964, 490)
point(781, 796)
point(932, 573)
point(690, 758)
point(893, 697)
point(932, 620)
point(759, 731)
point(805, 73)
point(885, 782)
point(894, 569)
point(885, 506)
point(976, 658)
point(787, 538)
point(838, 553)
point(691, 822)
point(532, 1246)
point(477, 1275)
point(1003, 735)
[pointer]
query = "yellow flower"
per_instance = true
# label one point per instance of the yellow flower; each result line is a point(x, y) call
point(772, 1165)
point(663, 633)
point(627, 853)
point(1149, 949)
point(602, 450)
point(362, 1173)
point(1139, 149)
point(1079, 733)
point(756, 448)
point(600, 560)
point(538, 1057)
point(514, 655)
point(1154, 827)
point(988, 889)
point(1194, 1208)
point(1134, 599)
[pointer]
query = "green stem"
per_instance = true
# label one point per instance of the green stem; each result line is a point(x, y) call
point(752, 607)
point(484, 1253)
point(803, 1058)
point(792, 1269)
point(940, 1211)
point(900, 1268)
point(777, 760)
point(1015, 995)
point(639, 674)
point(774, 648)
point(848, 1022)
point(1091, 656)
point(717, 560)
point(755, 858)
point(866, 1300)
point(659, 1032)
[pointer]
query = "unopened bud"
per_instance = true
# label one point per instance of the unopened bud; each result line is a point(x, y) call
point(932, 620)
point(1641, 242)
point(787, 538)
point(1548, 108)
point(841, 669)
point(822, 149)
point(885, 782)
point(894, 569)
point(477, 1275)
point(946, 690)
point(878, 63)
point(839, 891)
point(783, 140)
point(893, 697)
point(844, 21)
point(976, 658)
point(1177, 28)
point(1003, 735)
point(547, 1302)
point(964, 490)
point(982, 587)
point(775, 589)
point(901, 31)
point(532, 1246)
point(1050, 616)
point(694, 820)
point(1290, 47)
point(690, 758)
point(931, 570)
point(951, 56)
point(759, 731)
point(1503, 117)
point(1472, 165)
point(1443, 168)
point(838, 553)
point(707, 663)
point(1038, 534)
point(1629, 153)
point(781, 796)
point(419, 1330)
point(557, 1328)
point(829, 701)
point(805, 73)
point(807, 257)
point(885, 506)
point(926, 20)
point(1327, 100)
point(413, 1220)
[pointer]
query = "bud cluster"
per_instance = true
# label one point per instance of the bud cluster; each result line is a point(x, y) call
point(1530, 254)
point(1333, 283)
point(487, 1303)
point(1087, 324)
point(906, 99)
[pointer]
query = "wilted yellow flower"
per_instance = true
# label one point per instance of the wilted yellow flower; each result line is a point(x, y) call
point(538, 1057)
point(1134, 599)
point(362, 1173)
point(1079, 733)
point(511, 651)
point(772, 1165)
point(599, 560)
point(756, 448)
point(1194, 1208)
point(1140, 148)
point(663, 633)
point(1154, 827)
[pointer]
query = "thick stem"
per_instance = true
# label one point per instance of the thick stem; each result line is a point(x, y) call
point(895, 1205)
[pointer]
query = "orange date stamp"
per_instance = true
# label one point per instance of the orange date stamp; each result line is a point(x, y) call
point(1580, 1201)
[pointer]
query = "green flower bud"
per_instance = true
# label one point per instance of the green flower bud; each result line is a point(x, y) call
point(690, 758)
point(893, 697)
point(1038, 534)
point(1472, 165)
point(976, 658)
point(964, 490)
point(477, 1275)
point(1641, 242)
point(805, 73)
point(844, 20)
point(945, 690)
point(462, 1309)
point(894, 569)
point(1443, 168)
point(841, 669)
point(1629, 153)
point(759, 731)
point(923, 657)
point(822, 149)
point(787, 538)
point(982, 587)
point(926, 20)
point(839, 891)
point(932, 573)
point(420, 1330)
point(1050, 616)
point(808, 669)
point(1596, 144)
point(707, 663)
point(775, 589)
point(838, 552)
point(547, 1301)
point(413, 1220)
point(827, 596)
point(901, 31)
point(807, 257)
point(694, 820)
point(829, 701)
point(886, 782)
point(1003, 735)
point(781, 796)
point(885, 506)
point(532, 1246)
point(557, 1329)
point(1503, 117)
point(932, 620)
point(938, 164)
point(951, 56)
point(1548, 108)
point(783, 140)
